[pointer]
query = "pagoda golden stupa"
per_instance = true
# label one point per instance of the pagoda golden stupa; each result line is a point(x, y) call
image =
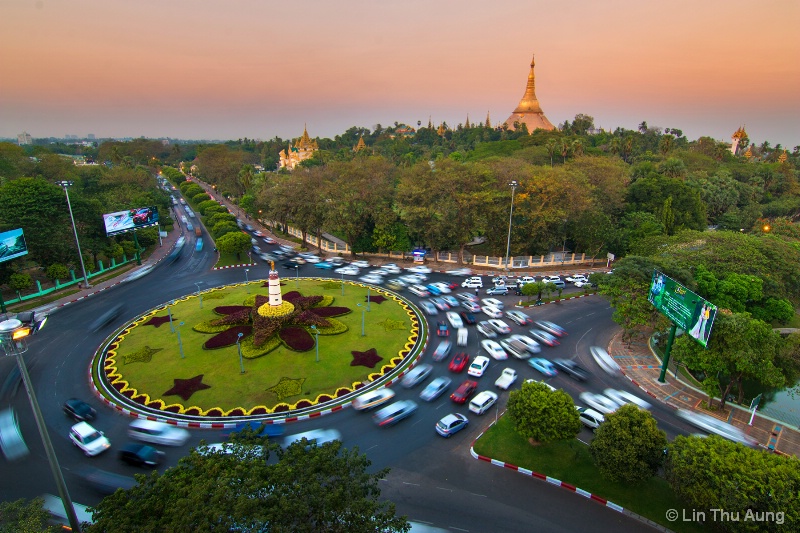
point(529, 112)
point(303, 149)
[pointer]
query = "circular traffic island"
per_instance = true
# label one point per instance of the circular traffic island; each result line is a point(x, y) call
point(264, 349)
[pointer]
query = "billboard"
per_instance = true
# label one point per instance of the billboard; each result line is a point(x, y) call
point(687, 310)
point(12, 245)
point(123, 221)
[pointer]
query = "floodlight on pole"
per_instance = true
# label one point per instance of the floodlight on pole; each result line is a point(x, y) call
point(247, 279)
point(513, 186)
point(12, 338)
point(316, 340)
point(363, 312)
point(66, 184)
point(180, 343)
point(197, 284)
point(239, 348)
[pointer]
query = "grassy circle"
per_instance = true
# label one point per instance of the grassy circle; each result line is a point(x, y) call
point(144, 362)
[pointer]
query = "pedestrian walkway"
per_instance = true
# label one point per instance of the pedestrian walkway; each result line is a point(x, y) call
point(642, 366)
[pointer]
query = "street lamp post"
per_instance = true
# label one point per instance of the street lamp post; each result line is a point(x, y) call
point(66, 184)
point(247, 279)
point(363, 312)
point(342, 283)
point(239, 347)
point(297, 276)
point(513, 186)
point(169, 312)
point(197, 284)
point(13, 334)
point(368, 299)
point(180, 343)
point(316, 340)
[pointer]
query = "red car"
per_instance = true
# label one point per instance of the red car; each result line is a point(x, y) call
point(459, 361)
point(464, 391)
point(453, 285)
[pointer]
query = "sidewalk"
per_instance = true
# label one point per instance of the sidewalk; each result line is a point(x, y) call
point(159, 253)
point(641, 365)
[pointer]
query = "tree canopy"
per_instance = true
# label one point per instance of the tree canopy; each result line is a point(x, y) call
point(542, 415)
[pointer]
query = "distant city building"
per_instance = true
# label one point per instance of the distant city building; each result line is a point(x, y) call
point(403, 131)
point(303, 149)
point(91, 137)
point(24, 138)
point(529, 112)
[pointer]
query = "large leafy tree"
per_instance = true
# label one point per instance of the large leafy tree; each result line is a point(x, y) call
point(628, 447)
point(306, 489)
point(542, 415)
point(713, 473)
point(21, 516)
point(235, 242)
point(739, 348)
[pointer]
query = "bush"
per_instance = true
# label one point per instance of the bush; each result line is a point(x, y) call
point(216, 218)
point(205, 204)
point(222, 228)
point(57, 271)
point(200, 197)
point(20, 281)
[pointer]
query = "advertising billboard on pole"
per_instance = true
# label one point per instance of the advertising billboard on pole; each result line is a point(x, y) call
point(684, 308)
point(12, 244)
point(123, 221)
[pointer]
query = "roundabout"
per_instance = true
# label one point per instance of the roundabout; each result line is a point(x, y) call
point(262, 350)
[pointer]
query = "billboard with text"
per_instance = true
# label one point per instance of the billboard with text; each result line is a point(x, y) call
point(687, 310)
point(123, 221)
point(12, 245)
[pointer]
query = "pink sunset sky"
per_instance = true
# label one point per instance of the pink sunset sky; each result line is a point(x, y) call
point(227, 69)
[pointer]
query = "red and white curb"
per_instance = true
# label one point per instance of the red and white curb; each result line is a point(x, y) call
point(548, 479)
point(236, 266)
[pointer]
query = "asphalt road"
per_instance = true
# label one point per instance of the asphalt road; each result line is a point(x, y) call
point(432, 480)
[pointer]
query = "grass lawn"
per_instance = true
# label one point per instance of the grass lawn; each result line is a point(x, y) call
point(388, 328)
point(231, 259)
point(570, 462)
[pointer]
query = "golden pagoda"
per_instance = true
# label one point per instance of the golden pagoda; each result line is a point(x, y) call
point(303, 149)
point(783, 157)
point(529, 112)
point(488, 122)
point(360, 146)
point(738, 137)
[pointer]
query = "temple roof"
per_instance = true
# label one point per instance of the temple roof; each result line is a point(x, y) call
point(529, 111)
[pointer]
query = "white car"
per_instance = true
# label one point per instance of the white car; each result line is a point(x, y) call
point(460, 272)
point(472, 283)
point(360, 264)
point(576, 277)
point(88, 439)
point(530, 344)
point(598, 402)
point(494, 349)
point(486, 330)
point(581, 284)
point(371, 399)
point(419, 290)
point(552, 279)
point(391, 268)
point(590, 418)
point(310, 258)
point(157, 433)
point(491, 311)
point(371, 278)
point(348, 271)
point(519, 317)
point(443, 288)
point(623, 397)
point(506, 379)
point(718, 427)
point(500, 326)
point(478, 366)
point(527, 279)
point(482, 402)
point(493, 302)
point(605, 361)
point(315, 437)
point(454, 319)
point(414, 279)
point(420, 269)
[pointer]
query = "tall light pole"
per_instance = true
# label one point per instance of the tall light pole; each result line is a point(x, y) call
point(368, 299)
point(316, 340)
point(197, 284)
point(297, 276)
point(342, 283)
point(363, 312)
point(169, 312)
point(513, 186)
point(180, 343)
point(247, 280)
point(66, 184)
point(239, 347)
point(13, 334)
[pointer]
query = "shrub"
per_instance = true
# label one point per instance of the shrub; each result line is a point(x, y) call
point(20, 281)
point(200, 197)
point(57, 271)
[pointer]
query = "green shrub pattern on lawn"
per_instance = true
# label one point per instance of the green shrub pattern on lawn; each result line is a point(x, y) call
point(215, 295)
point(208, 327)
point(332, 285)
point(391, 325)
point(145, 355)
point(251, 351)
point(287, 387)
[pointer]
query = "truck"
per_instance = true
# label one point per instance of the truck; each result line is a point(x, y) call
point(506, 379)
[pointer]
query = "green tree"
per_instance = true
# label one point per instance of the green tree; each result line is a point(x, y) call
point(308, 489)
point(222, 228)
point(234, 243)
point(248, 203)
point(25, 516)
point(739, 348)
point(202, 206)
point(57, 271)
point(541, 415)
point(20, 281)
point(220, 217)
point(713, 473)
point(628, 447)
point(200, 198)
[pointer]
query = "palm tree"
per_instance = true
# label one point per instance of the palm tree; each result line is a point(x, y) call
point(551, 149)
point(666, 144)
point(577, 147)
point(565, 146)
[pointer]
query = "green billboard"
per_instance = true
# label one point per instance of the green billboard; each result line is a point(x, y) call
point(684, 308)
